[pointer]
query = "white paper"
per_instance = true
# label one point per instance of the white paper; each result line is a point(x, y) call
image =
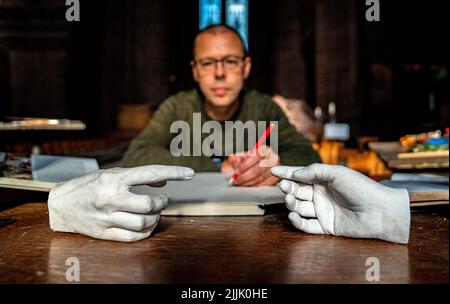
point(207, 189)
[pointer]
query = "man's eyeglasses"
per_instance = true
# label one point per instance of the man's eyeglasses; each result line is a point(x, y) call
point(229, 63)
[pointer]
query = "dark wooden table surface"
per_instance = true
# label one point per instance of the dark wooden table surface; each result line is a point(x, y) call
point(225, 250)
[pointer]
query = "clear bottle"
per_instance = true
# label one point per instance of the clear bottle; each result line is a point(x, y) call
point(318, 125)
point(332, 113)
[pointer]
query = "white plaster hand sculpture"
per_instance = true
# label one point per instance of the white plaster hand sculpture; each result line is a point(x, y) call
point(99, 204)
point(327, 199)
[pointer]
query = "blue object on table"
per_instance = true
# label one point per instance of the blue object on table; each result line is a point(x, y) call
point(440, 141)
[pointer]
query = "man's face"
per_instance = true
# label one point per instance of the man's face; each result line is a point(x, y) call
point(220, 82)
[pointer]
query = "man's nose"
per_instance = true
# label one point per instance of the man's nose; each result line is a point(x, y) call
point(219, 71)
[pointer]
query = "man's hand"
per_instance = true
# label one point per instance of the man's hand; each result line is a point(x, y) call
point(336, 200)
point(100, 205)
point(253, 168)
point(226, 166)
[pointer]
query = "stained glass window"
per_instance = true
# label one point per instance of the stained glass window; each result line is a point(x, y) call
point(210, 13)
point(236, 12)
point(237, 17)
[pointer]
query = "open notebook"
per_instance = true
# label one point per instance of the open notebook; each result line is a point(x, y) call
point(208, 194)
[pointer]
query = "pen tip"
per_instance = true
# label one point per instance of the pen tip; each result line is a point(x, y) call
point(277, 117)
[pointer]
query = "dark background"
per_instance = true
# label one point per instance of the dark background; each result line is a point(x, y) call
point(382, 75)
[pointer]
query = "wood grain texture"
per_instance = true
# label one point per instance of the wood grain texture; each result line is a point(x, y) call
point(428, 196)
point(260, 249)
point(424, 154)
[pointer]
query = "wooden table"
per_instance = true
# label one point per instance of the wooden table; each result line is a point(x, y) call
point(224, 250)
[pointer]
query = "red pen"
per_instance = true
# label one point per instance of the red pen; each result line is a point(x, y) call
point(261, 140)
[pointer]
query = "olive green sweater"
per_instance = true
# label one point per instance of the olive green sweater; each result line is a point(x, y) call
point(152, 146)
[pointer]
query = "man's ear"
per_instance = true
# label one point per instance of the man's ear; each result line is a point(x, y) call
point(194, 71)
point(247, 67)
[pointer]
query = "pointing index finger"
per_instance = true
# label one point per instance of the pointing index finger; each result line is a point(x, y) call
point(152, 174)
